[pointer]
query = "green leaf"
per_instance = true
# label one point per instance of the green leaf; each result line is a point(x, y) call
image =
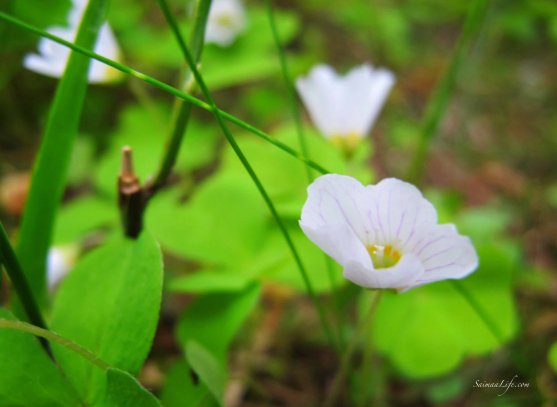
point(140, 129)
point(284, 178)
point(206, 281)
point(109, 304)
point(83, 216)
point(280, 267)
point(123, 390)
point(27, 376)
point(214, 319)
point(428, 331)
point(181, 389)
point(221, 224)
point(208, 367)
point(50, 171)
point(221, 66)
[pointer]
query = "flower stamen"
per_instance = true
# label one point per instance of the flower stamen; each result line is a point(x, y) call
point(383, 256)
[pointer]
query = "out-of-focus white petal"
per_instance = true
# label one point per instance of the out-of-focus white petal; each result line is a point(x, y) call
point(53, 57)
point(407, 270)
point(368, 90)
point(344, 106)
point(226, 20)
point(320, 93)
point(106, 46)
point(60, 261)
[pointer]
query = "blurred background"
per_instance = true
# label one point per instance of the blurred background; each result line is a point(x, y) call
point(490, 169)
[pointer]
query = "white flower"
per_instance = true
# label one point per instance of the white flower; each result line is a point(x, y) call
point(344, 108)
point(53, 57)
point(384, 235)
point(60, 261)
point(226, 20)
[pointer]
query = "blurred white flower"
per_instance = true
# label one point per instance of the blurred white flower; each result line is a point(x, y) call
point(53, 57)
point(384, 235)
point(227, 19)
point(344, 108)
point(60, 261)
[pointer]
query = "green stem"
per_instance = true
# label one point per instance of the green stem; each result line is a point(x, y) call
point(340, 377)
point(289, 87)
point(248, 168)
point(52, 337)
point(167, 88)
point(301, 139)
point(440, 99)
point(9, 259)
point(182, 107)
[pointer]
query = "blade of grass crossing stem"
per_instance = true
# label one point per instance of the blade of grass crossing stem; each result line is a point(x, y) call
point(165, 87)
point(301, 136)
point(183, 107)
point(249, 169)
point(51, 167)
point(438, 102)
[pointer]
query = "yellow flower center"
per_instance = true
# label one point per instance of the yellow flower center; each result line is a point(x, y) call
point(225, 20)
point(383, 256)
point(346, 142)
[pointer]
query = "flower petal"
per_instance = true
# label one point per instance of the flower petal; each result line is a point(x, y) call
point(320, 92)
point(396, 211)
point(337, 199)
point(408, 269)
point(446, 254)
point(339, 242)
point(364, 92)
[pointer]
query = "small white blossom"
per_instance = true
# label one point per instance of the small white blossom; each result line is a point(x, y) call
point(344, 108)
point(384, 235)
point(60, 261)
point(227, 19)
point(53, 57)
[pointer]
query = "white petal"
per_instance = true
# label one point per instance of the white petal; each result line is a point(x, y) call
point(337, 199)
point(397, 210)
point(339, 242)
point(370, 90)
point(106, 46)
point(321, 93)
point(226, 20)
point(445, 254)
point(39, 64)
point(408, 269)
point(60, 261)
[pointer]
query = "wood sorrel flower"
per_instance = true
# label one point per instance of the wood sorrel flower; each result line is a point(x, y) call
point(344, 108)
point(384, 235)
point(226, 20)
point(53, 57)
